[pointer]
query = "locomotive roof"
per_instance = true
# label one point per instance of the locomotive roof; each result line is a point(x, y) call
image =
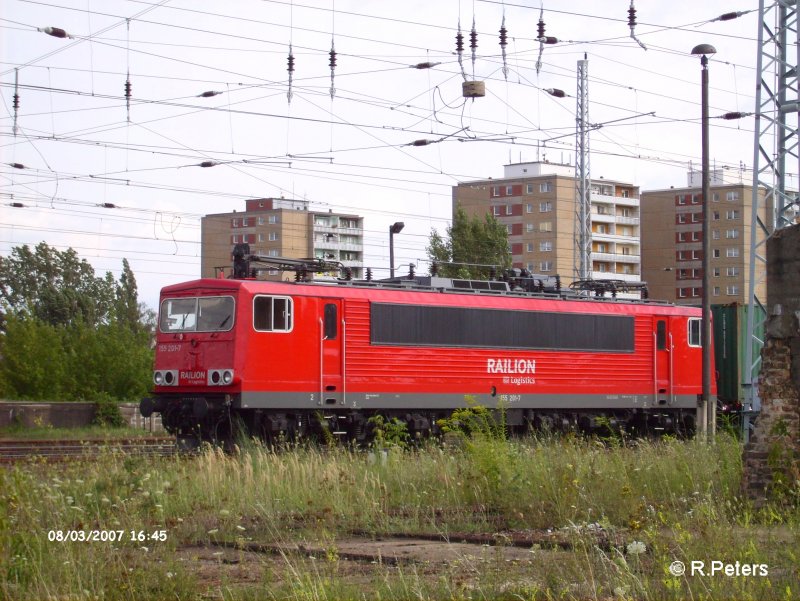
point(412, 291)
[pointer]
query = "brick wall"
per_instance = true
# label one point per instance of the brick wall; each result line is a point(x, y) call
point(772, 456)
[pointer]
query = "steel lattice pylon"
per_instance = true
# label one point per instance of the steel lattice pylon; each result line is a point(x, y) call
point(776, 140)
point(583, 185)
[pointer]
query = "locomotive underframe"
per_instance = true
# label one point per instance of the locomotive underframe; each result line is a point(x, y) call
point(224, 419)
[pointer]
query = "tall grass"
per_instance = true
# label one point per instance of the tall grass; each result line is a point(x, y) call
point(675, 500)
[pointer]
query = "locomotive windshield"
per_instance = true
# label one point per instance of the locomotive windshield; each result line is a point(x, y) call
point(197, 314)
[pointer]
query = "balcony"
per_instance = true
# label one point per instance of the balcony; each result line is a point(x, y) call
point(627, 220)
point(610, 275)
point(616, 258)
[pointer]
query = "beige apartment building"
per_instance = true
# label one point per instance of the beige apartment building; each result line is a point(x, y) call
point(536, 202)
point(281, 227)
point(672, 239)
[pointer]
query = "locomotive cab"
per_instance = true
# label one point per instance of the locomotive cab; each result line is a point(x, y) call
point(195, 373)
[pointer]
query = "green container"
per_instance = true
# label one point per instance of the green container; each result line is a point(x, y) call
point(730, 342)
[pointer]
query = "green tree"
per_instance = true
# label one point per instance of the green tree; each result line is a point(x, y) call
point(69, 335)
point(473, 246)
point(56, 287)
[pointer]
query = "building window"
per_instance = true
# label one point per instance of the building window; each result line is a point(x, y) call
point(495, 191)
point(716, 272)
point(715, 197)
point(508, 228)
point(697, 254)
point(680, 218)
point(235, 223)
point(273, 252)
point(545, 207)
point(732, 214)
point(509, 190)
point(529, 207)
point(716, 216)
point(546, 187)
point(696, 199)
point(273, 236)
point(530, 247)
point(235, 238)
point(681, 292)
point(715, 234)
point(730, 234)
point(602, 247)
point(732, 290)
point(546, 226)
point(697, 236)
point(529, 189)
point(732, 272)
point(261, 237)
point(602, 228)
point(680, 236)
point(716, 253)
point(680, 199)
point(546, 266)
point(273, 219)
point(529, 227)
point(732, 252)
point(509, 209)
point(626, 194)
point(546, 246)
point(496, 210)
point(716, 291)
point(696, 292)
point(260, 221)
point(732, 196)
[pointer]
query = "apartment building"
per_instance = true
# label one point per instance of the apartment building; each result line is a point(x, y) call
point(672, 239)
point(536, 202)
point(282, 227)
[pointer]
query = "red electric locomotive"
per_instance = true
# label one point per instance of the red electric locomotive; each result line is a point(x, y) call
point(289, 359)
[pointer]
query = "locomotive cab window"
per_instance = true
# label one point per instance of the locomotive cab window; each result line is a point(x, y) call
point(695, 332)
point(197, 314)
point(272, 313)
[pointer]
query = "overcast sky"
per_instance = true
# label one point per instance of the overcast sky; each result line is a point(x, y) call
point(83, 146)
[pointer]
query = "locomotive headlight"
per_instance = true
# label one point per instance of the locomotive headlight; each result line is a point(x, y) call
point(220, 377)
point(165, 377)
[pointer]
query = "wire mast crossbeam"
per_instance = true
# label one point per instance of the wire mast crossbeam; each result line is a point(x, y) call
point(776, 139)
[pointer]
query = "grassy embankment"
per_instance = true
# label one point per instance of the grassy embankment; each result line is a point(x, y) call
point(665, 501)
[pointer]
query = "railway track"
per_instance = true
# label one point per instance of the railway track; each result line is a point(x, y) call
point(14, 450)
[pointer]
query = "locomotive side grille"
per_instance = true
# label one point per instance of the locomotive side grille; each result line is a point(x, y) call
point(412, 325)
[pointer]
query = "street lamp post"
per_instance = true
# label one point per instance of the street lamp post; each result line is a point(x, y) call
point(395, 228)
point(703, 50)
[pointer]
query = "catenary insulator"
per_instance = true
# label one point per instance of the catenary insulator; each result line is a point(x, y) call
point(209, 94)
point(56, 32)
